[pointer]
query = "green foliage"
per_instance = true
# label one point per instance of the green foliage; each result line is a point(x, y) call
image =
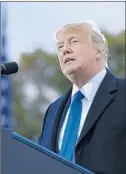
point(116, 45)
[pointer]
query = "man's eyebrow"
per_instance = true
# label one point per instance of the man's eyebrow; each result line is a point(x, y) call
point(59, 43)
point(72, 37)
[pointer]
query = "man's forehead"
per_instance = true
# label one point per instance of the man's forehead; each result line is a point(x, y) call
point(69, 32)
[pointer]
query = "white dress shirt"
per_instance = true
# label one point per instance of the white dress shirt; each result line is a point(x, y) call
point(88, 90)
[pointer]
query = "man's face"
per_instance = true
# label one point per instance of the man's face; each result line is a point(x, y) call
point(75, 52)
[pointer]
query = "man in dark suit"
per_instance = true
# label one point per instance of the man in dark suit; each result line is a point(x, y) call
point(88, 124)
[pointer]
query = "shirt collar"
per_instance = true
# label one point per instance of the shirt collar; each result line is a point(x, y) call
point(89, 89)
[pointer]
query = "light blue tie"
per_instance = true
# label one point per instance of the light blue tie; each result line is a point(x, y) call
point(71, 130)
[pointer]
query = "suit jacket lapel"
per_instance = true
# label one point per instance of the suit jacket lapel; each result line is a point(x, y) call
point(102, 99)
point(58, 117)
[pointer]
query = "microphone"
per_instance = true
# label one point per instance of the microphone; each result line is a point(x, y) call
point(9, 68)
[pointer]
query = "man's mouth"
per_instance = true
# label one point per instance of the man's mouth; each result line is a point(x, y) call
point(69, 60)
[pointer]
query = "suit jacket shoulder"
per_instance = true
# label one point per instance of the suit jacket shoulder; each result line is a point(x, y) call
point(121, 84)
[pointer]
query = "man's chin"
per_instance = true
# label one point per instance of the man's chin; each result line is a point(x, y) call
point(70, 72)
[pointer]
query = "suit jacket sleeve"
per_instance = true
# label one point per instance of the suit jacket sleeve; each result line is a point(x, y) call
point(41, 137)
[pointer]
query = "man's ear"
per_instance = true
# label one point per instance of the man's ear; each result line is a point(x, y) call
point(98, 54)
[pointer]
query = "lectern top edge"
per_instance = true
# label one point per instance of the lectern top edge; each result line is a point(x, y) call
point(48, 152)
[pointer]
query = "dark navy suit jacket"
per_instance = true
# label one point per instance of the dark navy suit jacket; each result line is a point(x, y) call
point(101, 147)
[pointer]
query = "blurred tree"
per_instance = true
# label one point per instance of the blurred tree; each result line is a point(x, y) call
point(116, 44)
point(40, 81)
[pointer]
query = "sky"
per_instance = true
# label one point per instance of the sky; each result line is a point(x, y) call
point(33, 24)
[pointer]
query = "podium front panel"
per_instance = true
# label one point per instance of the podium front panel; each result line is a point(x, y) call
point(22, 156)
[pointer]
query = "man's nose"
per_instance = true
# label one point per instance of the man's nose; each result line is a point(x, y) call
point(66, 49)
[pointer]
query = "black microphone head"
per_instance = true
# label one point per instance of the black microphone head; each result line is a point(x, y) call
point(9, 68)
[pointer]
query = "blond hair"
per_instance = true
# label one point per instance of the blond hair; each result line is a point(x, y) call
point(94, 34)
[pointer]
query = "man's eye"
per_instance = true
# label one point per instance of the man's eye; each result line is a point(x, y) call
point(74, 41)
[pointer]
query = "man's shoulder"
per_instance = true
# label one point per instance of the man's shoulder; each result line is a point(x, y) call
point(56, 103)
point(112, 78)
point(121, 83)
point(62, 98)
point(58, 100)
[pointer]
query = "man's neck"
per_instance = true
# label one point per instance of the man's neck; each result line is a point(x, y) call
point(81, 80)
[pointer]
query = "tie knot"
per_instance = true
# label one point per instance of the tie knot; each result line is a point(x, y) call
point(78, 95)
